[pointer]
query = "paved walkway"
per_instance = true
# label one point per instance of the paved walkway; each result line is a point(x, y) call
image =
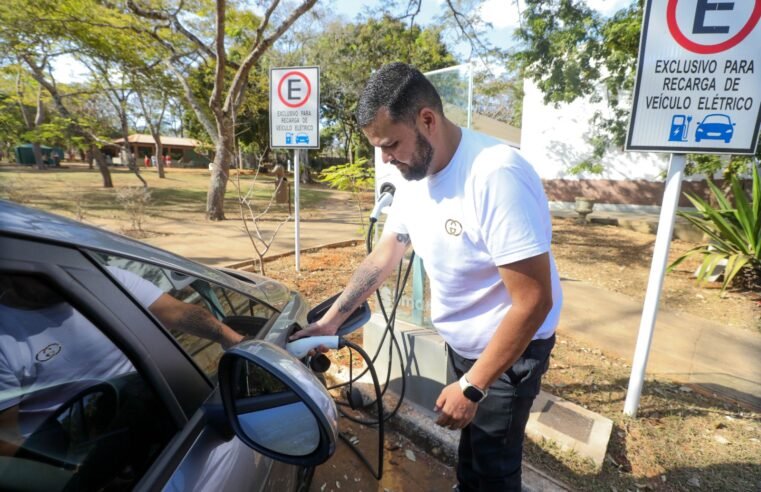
point(685, 348)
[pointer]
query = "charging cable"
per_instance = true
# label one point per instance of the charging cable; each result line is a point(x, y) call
point(301, 347)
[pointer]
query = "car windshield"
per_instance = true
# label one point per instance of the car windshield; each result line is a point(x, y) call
point(721, 119)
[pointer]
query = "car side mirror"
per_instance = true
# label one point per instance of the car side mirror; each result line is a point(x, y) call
point(275, 405)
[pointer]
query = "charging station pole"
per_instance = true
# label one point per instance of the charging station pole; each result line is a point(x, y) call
point(681, 43)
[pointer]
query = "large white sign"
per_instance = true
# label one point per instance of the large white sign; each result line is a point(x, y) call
point(295, 107)
point(699, 77)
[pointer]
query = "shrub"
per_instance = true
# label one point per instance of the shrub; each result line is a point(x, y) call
point(733, 229)
point(133, 200)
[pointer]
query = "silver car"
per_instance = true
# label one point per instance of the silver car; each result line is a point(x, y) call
point(102, 390)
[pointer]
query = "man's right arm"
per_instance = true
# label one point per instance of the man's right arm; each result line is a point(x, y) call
point(366, 279)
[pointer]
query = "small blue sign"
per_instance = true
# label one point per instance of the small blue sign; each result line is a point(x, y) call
point(301, 138)
point(715, 127)
point(288, 138)
point(680, 126)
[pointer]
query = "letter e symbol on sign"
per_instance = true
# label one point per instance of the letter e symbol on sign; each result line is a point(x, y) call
point(293, 87)
point(704, 6)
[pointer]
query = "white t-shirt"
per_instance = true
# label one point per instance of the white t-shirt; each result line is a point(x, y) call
point(54, 346)
point(485, 209)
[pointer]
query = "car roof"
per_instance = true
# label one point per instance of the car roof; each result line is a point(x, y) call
point(21, 221)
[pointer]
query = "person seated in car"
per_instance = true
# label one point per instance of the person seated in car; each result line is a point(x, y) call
point(46, 343)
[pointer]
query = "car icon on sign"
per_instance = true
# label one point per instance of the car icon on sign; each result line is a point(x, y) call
point(302, 138)
point(715, 127)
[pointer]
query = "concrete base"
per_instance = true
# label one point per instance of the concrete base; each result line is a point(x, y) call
point(571, 426)
point(427, 370)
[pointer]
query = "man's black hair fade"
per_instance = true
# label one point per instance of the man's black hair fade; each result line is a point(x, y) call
point(401, 88)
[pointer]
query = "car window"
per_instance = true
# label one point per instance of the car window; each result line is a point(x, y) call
point(204, 317)
point(717, 118)
point(75, 414)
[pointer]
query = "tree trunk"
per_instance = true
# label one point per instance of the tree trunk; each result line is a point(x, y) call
point(159, 155)
point(102, 167)
point(38, 118)
point(37, 151)
point(127, 153)
point(220, 170)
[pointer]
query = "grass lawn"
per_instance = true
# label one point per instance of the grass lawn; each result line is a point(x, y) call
point(75, 188)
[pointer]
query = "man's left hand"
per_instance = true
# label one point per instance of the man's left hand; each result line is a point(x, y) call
point(456, 410)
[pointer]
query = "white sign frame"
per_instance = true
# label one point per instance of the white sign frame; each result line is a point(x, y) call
point(674, 128)
point(289, 120)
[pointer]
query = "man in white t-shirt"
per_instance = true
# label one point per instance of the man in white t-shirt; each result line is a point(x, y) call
point(476, 213)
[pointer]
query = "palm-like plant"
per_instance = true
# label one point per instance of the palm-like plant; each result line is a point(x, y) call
point(733, 229)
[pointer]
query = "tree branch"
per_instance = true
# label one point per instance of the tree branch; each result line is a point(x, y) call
point(193, 102)
point(174, 21)
point(219, 70)
point(258, 50)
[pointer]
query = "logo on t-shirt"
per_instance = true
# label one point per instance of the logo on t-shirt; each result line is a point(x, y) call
point(453, 227)
point(48, 352)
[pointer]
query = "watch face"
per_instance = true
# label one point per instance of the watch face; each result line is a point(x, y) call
point(473, 394)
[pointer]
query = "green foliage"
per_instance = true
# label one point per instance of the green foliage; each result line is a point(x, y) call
point(348, 54)
point(354, 176)
point(734, 165)
point(734, 230)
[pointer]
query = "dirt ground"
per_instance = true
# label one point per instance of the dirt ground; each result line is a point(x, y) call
point(618, 260)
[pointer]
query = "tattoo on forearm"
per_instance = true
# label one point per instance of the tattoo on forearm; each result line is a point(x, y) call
point(403, 238)
point(198, 322)
point(359, 288)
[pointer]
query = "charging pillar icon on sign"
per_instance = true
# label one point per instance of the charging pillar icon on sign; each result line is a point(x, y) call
point(680, 127)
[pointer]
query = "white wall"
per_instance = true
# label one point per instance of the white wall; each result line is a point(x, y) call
point(554, 139)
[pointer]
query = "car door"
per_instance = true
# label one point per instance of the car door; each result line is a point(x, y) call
point(211, 460)
point(182, 452)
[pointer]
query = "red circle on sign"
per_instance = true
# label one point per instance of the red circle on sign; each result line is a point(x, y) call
point(709, 49)
point(280, 88)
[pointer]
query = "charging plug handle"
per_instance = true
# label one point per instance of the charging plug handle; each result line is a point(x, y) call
point(301, 347)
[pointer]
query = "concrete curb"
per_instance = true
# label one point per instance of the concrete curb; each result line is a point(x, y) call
point(417, 424)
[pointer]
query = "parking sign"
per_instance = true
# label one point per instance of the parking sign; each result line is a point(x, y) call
point(295, 108)
point(698, 85)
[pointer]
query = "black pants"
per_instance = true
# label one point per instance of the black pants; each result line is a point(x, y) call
point(491, 446)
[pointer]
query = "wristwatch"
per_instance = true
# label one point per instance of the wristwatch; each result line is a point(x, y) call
point(471, 392)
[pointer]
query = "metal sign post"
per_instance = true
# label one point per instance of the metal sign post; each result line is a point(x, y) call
point(295, 121)
point(698, 90)
point(655, 282)
point(296, 184)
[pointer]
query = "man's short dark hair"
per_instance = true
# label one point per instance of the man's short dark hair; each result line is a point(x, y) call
point(402, 89)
